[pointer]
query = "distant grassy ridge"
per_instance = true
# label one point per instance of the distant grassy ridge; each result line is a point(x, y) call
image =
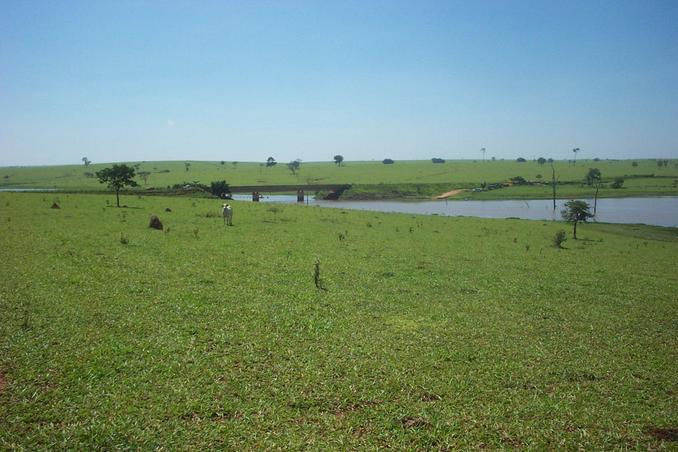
point(433, 333)
point(373, 180)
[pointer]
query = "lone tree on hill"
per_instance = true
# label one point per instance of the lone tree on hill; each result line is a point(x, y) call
point(574, 212)
point(117, 178)
point(575, 150)
point(338, 159)
point(294, 166)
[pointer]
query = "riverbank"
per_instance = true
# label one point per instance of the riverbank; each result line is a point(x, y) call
point(632, 187)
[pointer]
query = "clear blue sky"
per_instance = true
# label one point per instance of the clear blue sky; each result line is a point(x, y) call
point(243, 80)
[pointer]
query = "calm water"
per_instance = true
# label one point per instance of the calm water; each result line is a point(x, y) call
point(657, 211)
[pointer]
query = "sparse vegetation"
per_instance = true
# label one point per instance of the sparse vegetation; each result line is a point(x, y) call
point(427, 177)
point(446, 336)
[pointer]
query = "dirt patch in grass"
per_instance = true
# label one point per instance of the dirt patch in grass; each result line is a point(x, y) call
point(450, 193)
point(414, 422)
point(664, 434)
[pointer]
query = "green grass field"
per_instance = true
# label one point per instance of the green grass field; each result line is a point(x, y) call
point(420, 179)
point(433, 333)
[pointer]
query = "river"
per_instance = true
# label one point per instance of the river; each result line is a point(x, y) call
point(660, 211)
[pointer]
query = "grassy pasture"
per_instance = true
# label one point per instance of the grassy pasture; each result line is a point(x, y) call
point(408, 178)
point(433, 333)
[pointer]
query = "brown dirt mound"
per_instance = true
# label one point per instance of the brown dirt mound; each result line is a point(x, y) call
point(665, 434)
point(55, 205)
point(155, 223)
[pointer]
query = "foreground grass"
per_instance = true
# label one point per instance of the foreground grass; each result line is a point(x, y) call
point(434, 332)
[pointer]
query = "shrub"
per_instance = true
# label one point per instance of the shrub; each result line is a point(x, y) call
point(220, 188)
point(518, 180)
point(437, 160)
point(387, 162)
point(559, 238)
point(618, 182)
point(634, 164)
point(520, 160)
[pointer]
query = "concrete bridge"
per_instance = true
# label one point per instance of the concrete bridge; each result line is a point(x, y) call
point(334, 190)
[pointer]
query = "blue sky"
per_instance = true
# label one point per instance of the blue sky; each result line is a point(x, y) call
point(244, 80)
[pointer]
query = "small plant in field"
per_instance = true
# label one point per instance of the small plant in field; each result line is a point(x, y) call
point(195, 232)
point(316, 275)
point(26, 322)
point(559, 238)
point(123, 239)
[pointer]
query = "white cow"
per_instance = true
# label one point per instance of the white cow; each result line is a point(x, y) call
point(228, 215)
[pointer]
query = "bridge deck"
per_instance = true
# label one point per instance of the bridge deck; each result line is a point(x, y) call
point(286, 188)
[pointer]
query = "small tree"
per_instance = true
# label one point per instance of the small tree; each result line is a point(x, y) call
point(338, 159)
point(541, 160)
point(553, 183)
point(294, 166)
point(520, 160)
point(618, 182)
point(437, 160)
point(593, 176)
point(575, 150)
point(387, 162)
point(574, 212)
point(86, 161)
point(117, 178)
point(270, 162)
point(144, 176)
